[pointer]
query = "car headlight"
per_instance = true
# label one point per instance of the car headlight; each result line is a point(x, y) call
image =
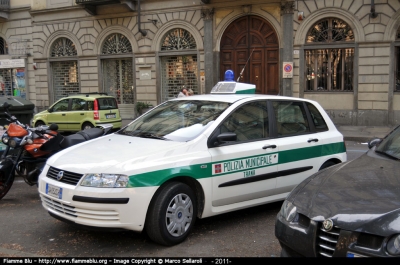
point(288, 211)
point(105, 180)
point(393, 245)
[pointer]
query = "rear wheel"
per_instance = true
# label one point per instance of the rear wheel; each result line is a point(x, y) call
point(171, 214)
point(5, 183)
point(87, 125)
point(327, 164)
point(39, 123)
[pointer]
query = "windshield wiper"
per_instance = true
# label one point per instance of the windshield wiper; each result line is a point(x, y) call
point(153, 136)
point(387, 154)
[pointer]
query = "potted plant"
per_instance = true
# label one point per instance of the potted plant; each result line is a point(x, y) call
point(142, 107)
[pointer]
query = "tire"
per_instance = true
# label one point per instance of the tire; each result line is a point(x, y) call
point(39, 123)
point(172, 214)
point(327, 164)
point(5, 183)
point(87, 125)
point(284, 254)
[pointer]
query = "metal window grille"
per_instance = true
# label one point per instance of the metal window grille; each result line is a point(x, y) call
point(329, 69)
point(63, 47)
point(397, 74)
point(330, 30)
point(65, 78)
point(116, 44)
point(118, 79)
point(178, 71)
point(178, 39)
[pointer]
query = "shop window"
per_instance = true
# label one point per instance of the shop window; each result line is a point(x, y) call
point(3, 46)
point(118, 72)
point(180, 70)
point(329, 68)
point(64, 78)
point(397, 61)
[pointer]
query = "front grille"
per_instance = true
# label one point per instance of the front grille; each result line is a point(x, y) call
point(369, 241)
point(326, 241)
point(68, 177)
point(99, 216)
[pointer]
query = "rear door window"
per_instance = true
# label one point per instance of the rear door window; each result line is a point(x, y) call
point(291, 118)
point(318, 120)
point(78, 104)
point(107, 103)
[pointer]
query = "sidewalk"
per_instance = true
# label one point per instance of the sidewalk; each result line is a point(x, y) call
point(350, 133)
point(363, 133)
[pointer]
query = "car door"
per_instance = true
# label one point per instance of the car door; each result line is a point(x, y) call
point(77, 114)
point(244, 169)
point(59, 114)
point(298, 144)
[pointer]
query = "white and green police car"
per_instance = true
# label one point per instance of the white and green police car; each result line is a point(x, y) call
point(191, 157)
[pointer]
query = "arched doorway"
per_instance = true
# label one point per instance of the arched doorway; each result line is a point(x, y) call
point(117, 72)
point(252, 35)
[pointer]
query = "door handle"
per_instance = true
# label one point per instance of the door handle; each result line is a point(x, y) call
point(62, 114)
point(256, 77)
point(273, 146)
point(312, 140)
point(82, 113)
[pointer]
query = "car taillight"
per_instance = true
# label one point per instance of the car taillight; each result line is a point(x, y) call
point(96, 115)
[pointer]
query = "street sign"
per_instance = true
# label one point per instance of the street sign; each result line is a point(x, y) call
point(287, 70)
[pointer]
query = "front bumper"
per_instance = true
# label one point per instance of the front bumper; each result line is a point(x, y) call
point(121, 208)
point(306, 238)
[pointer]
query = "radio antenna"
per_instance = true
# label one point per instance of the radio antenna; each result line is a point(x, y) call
point(241, 72)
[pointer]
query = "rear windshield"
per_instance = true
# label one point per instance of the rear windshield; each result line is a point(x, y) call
point(107, 103)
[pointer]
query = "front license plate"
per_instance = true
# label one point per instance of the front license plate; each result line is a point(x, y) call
point(111, 116)
point(54, 191)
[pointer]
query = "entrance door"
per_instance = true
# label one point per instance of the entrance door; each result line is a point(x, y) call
point(252, 40)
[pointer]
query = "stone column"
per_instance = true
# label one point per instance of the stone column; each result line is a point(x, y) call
point(287, 10)
point(209, 65)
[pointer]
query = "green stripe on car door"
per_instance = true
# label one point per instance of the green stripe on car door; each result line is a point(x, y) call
point(199, 171)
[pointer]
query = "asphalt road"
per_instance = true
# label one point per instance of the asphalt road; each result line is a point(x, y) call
point(28, 231)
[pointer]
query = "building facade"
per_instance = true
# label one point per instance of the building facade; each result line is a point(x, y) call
point(343, 54)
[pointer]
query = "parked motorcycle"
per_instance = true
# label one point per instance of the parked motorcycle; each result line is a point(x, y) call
point(27, 149)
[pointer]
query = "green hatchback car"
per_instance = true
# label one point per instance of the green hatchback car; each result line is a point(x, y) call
point(81, 111)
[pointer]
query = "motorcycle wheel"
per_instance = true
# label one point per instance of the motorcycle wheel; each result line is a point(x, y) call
point(5, 183)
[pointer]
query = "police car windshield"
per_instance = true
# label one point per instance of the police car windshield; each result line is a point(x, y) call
point(179, 121)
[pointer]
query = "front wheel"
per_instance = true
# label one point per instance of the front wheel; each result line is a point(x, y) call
point(87, 125)
point(6, 182)
point(172, 214)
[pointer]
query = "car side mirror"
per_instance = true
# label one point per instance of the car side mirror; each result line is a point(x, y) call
point(50, 110)
point(374, 142)
point(6, 105)
point(225, 137)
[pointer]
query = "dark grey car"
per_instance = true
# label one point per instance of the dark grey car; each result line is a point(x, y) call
point(348, 210)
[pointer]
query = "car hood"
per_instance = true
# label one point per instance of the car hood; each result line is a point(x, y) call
point(360, 195)
point(119, 153)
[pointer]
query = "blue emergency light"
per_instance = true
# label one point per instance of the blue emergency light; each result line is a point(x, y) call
point(229, 86)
